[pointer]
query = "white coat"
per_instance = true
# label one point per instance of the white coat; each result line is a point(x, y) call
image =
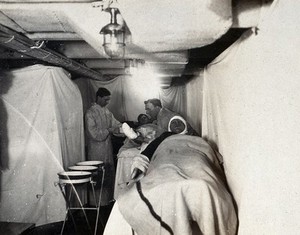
point(98, 119)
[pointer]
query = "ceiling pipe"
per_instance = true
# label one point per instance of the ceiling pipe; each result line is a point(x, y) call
point(12, 40)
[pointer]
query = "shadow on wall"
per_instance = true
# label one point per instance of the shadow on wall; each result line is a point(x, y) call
point(5, 84)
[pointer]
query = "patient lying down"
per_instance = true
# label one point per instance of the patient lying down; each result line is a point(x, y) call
point(183, 192)
point(177, 125)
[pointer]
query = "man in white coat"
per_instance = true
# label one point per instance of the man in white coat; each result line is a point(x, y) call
point(100, 124)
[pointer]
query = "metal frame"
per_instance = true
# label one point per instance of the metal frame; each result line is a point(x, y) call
point(72, 182)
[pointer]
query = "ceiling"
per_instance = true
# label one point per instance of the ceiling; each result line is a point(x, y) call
point(175, 38)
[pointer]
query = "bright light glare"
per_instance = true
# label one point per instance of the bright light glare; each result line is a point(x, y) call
point(145, 83)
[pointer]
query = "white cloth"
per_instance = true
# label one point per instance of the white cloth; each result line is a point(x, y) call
point(116, 224)
point(184, 183)
point(251, 112)
point(123, 172)
point(41, 128)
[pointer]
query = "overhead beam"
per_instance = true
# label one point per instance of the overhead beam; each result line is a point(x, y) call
point(104, 63)
point(112, 71)
point(55, 36)
point(14, 41)
point(81, 50)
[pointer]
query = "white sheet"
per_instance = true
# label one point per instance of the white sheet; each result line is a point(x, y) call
point(125, 158)
point(251, 112)
point(184, 183)
point(116, 224)
point(41, 134)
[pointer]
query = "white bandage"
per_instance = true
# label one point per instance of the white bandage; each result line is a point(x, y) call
point(181, 119)
point(128, 131)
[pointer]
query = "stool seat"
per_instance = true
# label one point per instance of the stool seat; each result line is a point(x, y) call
point(74, 181)
point(83, 168)
point(90, 163)
point(73, 175)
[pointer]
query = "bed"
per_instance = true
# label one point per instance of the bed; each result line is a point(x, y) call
point(184, 192)
point(125, 156)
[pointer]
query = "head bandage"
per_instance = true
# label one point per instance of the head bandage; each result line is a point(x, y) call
point(181, 119)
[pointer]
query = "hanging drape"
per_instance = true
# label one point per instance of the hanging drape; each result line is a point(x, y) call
point(251, 113)
point(174, 98)
point(194, 101)
point(41, 135)
point(129, 94)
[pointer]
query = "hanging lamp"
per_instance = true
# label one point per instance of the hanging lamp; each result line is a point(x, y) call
point(113, 36)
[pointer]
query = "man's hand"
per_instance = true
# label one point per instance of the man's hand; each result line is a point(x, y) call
point(139, 163)
point(114, 130)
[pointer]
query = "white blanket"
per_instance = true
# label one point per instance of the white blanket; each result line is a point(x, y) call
point(182, 193)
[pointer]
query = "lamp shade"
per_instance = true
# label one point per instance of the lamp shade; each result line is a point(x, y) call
point(113, 37)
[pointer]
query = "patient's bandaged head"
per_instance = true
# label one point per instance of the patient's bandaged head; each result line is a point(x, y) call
point(177, 125)
point(148, 131)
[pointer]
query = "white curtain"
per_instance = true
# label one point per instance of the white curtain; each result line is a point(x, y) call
point(174, 98)
point(194, 100)
point(251, 113)
point(129, 94)
point(41, 135)
point(88, 89)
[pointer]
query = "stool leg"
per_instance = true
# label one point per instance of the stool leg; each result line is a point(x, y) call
point(83, 210)
point(99, 202)
point(95, 200)
point(62, 229)
point(93, 190)
point(68, 211)
point(62, 189)
point(69, 205)
point(102, 182)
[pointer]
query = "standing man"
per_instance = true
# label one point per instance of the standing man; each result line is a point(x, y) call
point(100, 124)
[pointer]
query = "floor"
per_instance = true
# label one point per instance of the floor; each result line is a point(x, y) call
point(81, 226)
point(14, 228)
